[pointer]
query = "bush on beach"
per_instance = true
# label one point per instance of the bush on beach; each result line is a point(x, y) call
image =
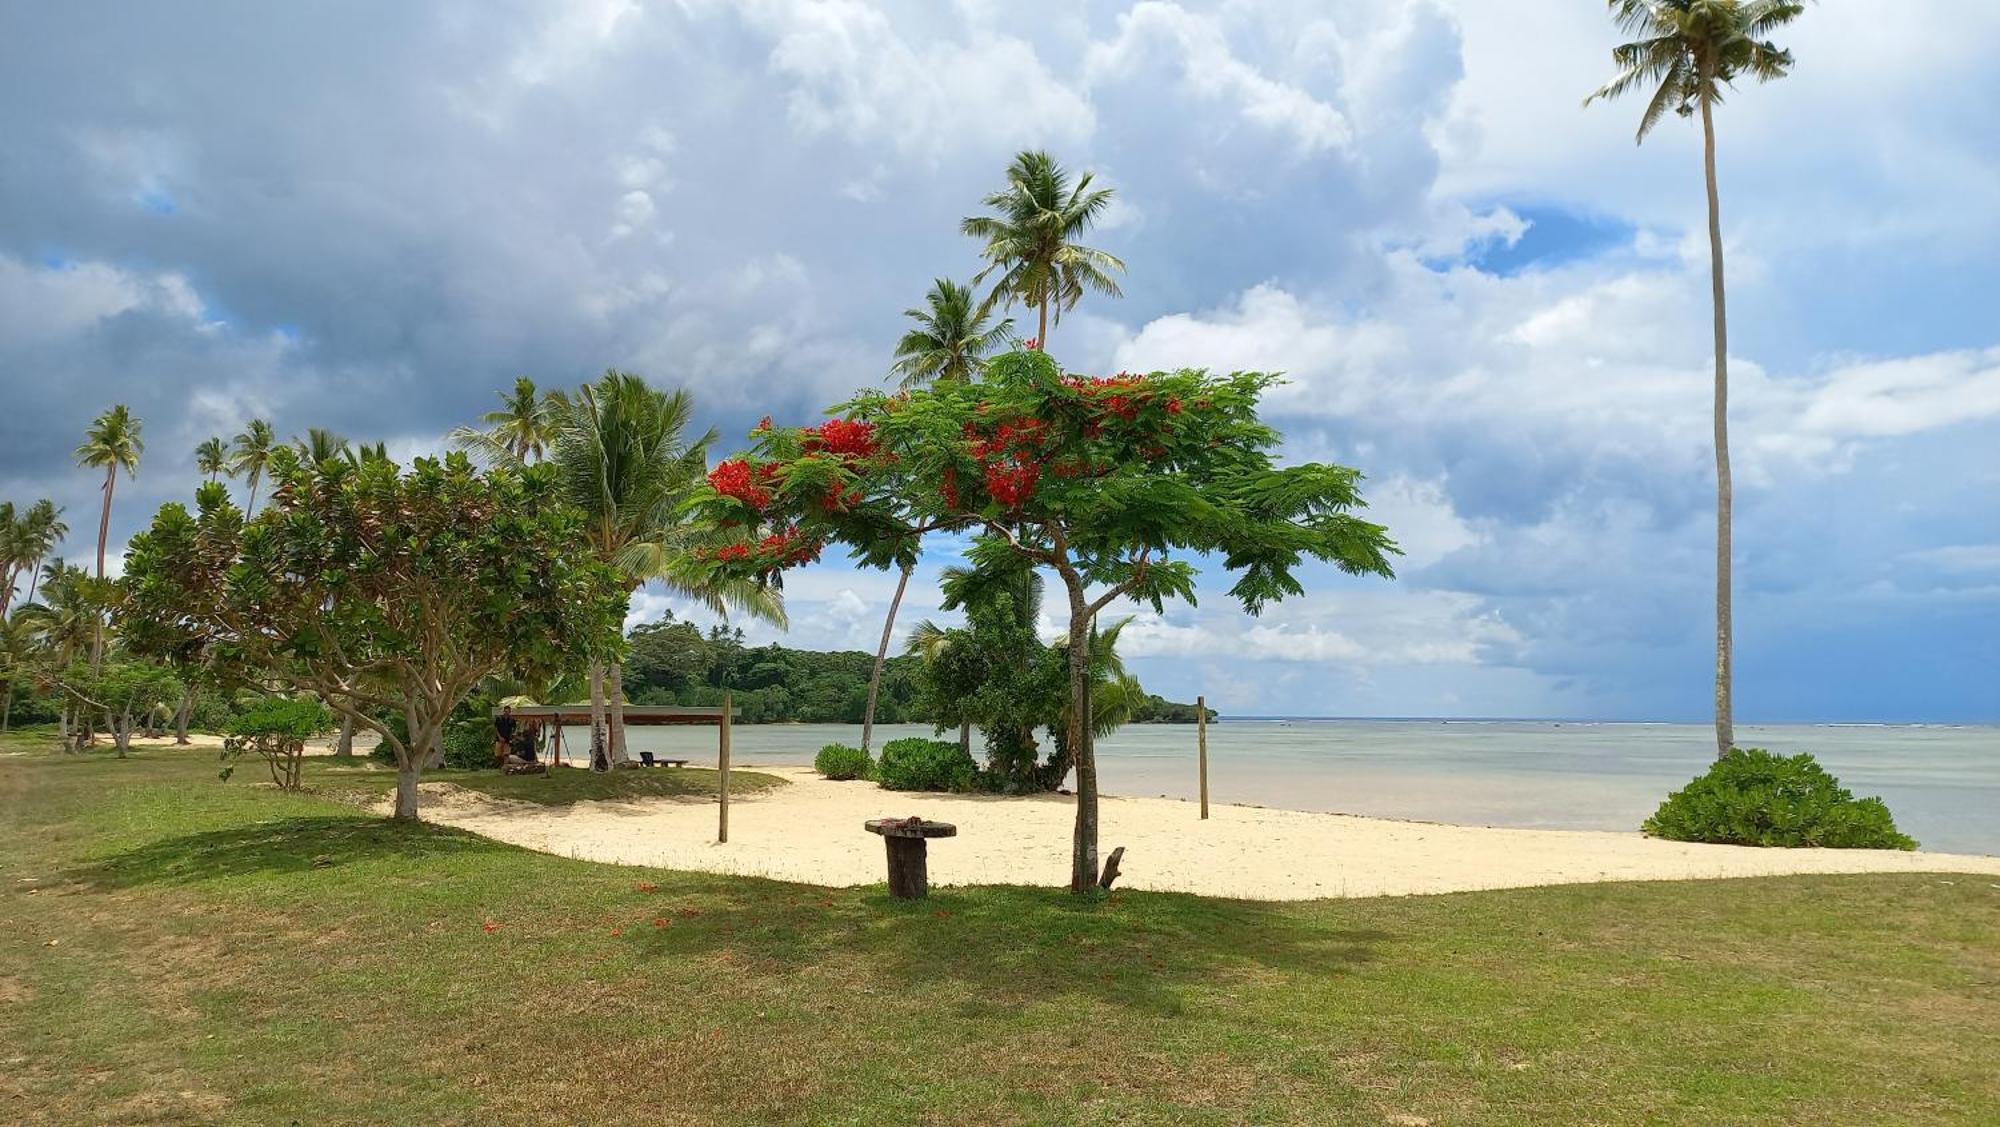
point(839, 761)
point(1753, 797)
point(920, 764)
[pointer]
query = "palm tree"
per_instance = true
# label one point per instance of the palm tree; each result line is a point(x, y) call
point(112, 443)
point(929, 641)
point(212, 457)
point(621, 450)
point(320, 446)
point(1032, 243)
point(950, 338)
point(521, 430)
point(1687, 50)
point(64, 623)
point(24, 541)
point(250, 454)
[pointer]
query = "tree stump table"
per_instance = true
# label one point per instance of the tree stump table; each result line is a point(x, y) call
point(908, 841)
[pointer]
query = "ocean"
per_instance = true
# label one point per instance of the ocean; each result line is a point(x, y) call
point(1941, 782)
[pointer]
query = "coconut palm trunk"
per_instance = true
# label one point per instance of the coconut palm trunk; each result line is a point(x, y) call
point(182, 717)
point(882, 658)
point(615, 715)
point(1725, 720)
point(599, 754)
point(103, 538)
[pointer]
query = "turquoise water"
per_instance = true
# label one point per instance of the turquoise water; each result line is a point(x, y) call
point(1942, 782)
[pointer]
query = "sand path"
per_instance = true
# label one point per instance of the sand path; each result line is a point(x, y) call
point(811, 831)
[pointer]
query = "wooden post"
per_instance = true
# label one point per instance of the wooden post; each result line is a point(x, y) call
point(722, 765)
point(1201, 742)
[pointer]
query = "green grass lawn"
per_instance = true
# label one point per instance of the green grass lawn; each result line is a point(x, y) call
point(174, 949)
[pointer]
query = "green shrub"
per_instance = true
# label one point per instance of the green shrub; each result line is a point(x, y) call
point(468, 744)
point(1752, 797)
point(919, 764)
point(838, 761)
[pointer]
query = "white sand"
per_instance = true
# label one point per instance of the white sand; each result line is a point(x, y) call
point(811, 831)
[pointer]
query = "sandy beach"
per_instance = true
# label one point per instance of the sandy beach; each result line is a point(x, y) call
point(811, 831)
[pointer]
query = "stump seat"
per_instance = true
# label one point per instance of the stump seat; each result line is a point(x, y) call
point(907, 841)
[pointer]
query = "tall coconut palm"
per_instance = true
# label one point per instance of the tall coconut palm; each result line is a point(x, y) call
point(622, 452)
point(211, 457)
point(250, 455)
point(1687, 51)
point(521, 430)
point(1031, 240)
point(18, 649)
point(111, 443)
point(953, 332)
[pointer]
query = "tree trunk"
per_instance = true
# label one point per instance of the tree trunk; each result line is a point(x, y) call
point(408, 772)
point(882, 659)
point(6, 706)
point(1725, 705)
point(1042, 333)
point(434, 749)
point(34, 577)
point(121, 731)
point(1083, 854)
point(103, 535)
point(345, 748)
point(186, 714)
point(965, 737)
point(614, 705)
point(599, 759)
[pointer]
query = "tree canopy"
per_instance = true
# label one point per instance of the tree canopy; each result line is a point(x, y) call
point(1117, 484)
point(389, 594)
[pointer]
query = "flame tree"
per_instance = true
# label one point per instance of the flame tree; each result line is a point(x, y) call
point(1116, 484)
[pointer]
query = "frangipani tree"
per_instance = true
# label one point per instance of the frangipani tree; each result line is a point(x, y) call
point(386, 593)
point(1115, 484)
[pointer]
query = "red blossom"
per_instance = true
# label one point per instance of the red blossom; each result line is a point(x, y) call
point(491, 926)
point(849, 438)
point(734, 478)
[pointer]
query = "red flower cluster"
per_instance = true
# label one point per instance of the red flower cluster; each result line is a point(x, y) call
point(735, 478)
point(1032, 344)
point(845, 437)
point(1012, 482)
point(786, 547)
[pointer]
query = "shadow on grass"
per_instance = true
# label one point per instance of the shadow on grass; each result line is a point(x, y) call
point(1010, 946)
point(278, 845)
point(993, 949)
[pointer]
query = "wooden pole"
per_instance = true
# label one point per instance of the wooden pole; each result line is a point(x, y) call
point(722, 765)
point(1201, 741)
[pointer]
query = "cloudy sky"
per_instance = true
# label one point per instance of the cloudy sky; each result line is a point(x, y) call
point(371, 217)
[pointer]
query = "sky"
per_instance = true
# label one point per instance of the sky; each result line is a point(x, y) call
point(371, 217)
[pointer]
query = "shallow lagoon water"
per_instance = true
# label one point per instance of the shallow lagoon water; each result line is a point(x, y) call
point(1941, 782)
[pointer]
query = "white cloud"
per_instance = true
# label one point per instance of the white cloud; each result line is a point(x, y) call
point(1156, 36)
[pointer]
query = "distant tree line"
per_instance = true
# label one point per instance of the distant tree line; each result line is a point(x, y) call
point(675, 662)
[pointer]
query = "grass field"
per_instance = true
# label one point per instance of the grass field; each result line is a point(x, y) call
point(174, 949)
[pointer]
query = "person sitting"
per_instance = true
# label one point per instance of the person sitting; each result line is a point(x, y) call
point(504, 727)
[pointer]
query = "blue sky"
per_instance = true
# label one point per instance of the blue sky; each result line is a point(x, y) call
point(373, 216)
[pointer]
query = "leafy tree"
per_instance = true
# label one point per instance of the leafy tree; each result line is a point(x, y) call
point(1031, 239)
point(625, 460)
point(668, 654)
point(1687, 51)
point(390, 595)
point(64, 624)
point(275, 729)
point(1106, 482)
point(111, 443)
point(250, 456)
point(211, 457)
point(953, 333)
point(521, 430)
